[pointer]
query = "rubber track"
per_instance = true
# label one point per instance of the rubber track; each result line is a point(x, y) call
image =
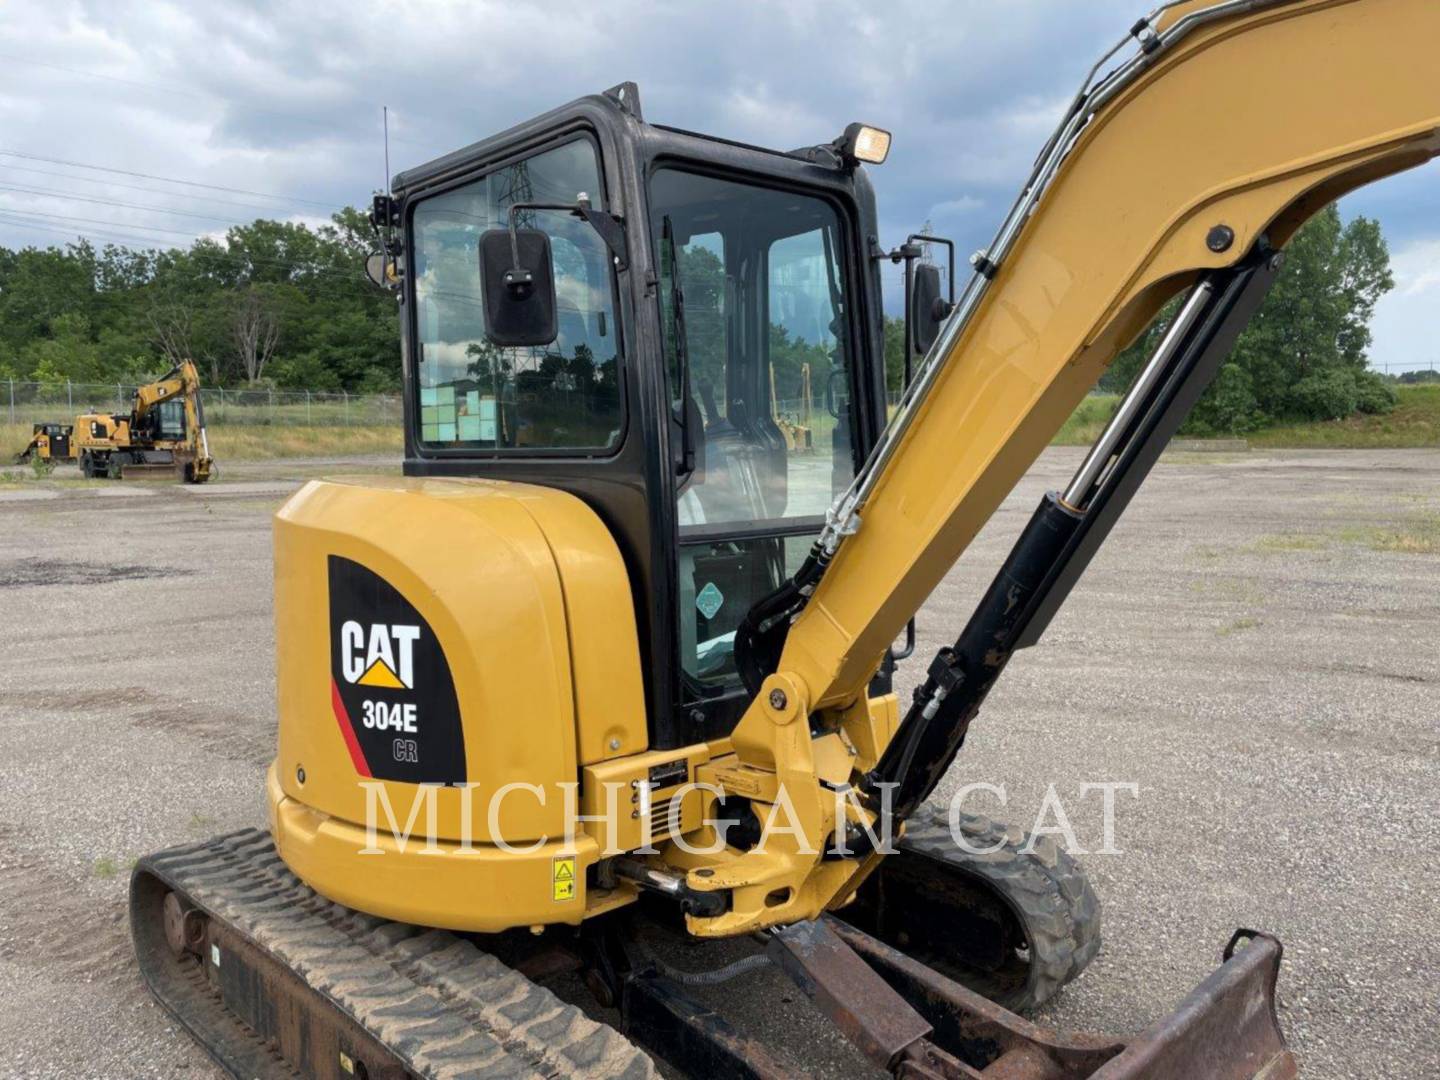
point(446, 1009)
point(1045, 886)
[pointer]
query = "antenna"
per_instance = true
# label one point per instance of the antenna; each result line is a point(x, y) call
point(389, 240)
point(385, 123)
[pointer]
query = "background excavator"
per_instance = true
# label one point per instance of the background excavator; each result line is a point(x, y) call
point(606, 591)
point(164, 432)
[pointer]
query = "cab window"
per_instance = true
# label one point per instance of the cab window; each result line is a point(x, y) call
point(476, 395)
point(170, 419)
point(756, 321)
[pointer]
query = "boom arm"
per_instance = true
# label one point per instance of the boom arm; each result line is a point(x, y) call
point(1234, 123)
point(183, 380)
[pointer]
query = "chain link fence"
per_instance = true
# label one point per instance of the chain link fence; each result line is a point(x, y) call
point(35, 402)
point(27, 403)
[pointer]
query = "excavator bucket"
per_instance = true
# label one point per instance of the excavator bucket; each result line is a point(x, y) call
point(1225, 1029)
point(150, 471)
point(144, 471)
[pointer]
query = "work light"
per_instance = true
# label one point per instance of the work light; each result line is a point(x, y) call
point(861, 142)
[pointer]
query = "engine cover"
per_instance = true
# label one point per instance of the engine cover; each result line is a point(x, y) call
point(450, 654)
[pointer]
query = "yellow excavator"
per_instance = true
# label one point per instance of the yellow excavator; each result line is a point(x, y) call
point(794, 426)
point(603, 679)
point(164, 432)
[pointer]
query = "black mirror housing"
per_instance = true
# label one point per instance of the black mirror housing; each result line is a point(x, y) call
point(928, 307)
point(519, 287)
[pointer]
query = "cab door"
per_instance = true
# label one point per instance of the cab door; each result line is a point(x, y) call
point(759, 337)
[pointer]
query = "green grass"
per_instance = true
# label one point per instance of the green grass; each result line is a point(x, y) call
point(1419, 535)
point(1415, 534)
point(246, 442)
point(1245, 623)
point(1087, 421)
point(1289, 542)
point(1415, 421)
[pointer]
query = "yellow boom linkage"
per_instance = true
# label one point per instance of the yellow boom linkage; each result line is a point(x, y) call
point(1246, 122)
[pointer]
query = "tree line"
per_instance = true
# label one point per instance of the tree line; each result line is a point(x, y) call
point(281, 304)
point(273, 304)
point(1303, 356)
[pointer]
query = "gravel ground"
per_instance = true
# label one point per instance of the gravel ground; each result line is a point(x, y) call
point(1254, 650)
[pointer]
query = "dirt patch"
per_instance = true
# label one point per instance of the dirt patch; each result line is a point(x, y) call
point(228, 735)
point(231, 735)
point(1357, 669)
point(68, 700)
point(18, 573)
point(48, 925)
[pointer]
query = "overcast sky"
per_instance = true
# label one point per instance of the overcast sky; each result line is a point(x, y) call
point(284, 100)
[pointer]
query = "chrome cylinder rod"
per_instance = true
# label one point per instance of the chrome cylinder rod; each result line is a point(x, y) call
point(1082, 485)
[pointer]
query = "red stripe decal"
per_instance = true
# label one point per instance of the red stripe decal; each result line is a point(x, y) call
point(347, 730)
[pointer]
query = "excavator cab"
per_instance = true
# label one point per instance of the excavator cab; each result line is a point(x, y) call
point(688, 277)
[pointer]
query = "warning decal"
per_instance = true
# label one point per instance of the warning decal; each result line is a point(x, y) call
point(709, 600)
point(562, 877)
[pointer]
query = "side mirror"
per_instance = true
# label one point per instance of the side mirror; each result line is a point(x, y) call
point(380, 268)
point(517, 278)
point(928, 307)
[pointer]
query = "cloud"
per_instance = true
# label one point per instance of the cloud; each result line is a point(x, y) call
point(279, 97)
point(954, 207)
point(283, 97)
point(1417, 267)
point(1404, 327)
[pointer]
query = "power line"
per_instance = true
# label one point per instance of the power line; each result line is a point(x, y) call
point(51, 193)
point(163, 179)
point(176, 90)
point(116, 229)
point(112, 225)
point(128, 237)
point(138, 187)
point(98, 221)
point(245, 260)
point(235, 259)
